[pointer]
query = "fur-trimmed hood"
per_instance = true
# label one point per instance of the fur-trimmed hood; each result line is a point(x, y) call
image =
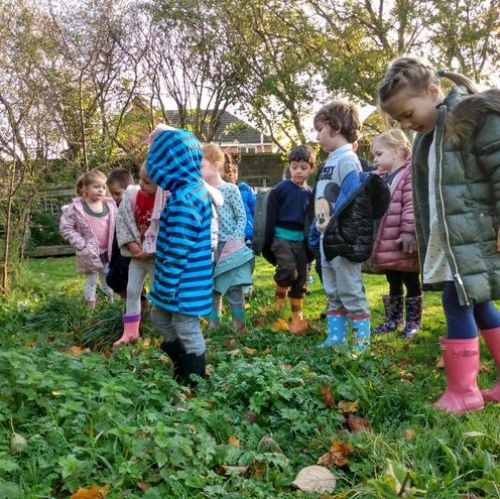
point(469, 112)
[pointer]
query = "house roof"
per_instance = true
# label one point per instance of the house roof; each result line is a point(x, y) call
point(231, 130)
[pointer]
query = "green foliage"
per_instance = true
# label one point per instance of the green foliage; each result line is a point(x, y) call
point(44, 228)
point(70, 419)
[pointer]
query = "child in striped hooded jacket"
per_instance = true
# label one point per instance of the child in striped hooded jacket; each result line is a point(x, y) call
point(182, 288)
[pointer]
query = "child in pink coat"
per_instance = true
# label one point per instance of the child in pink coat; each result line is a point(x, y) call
point(394, 249)
point(88, 224)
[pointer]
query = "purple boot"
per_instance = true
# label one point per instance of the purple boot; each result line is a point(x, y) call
point(393, 311)
point(413, 306)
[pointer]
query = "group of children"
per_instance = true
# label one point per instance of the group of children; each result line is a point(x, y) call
point(440, 203)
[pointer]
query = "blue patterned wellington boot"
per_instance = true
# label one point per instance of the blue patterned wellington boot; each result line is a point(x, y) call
point(361, 332)
point(337, 329)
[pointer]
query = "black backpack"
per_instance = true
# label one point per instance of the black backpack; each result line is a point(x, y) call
point(259, 221)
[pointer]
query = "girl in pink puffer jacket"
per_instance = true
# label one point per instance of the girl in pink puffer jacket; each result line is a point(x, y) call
point(88, 224)
point(394, 248)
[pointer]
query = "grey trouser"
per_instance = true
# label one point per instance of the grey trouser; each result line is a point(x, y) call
point(137, 272)
point(89, 291)
point(175, 326)
point(343, 286)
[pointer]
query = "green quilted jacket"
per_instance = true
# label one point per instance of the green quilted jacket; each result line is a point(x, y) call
point(468, 191)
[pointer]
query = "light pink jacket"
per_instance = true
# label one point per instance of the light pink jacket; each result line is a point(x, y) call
point(76, 230)
point(387, 254)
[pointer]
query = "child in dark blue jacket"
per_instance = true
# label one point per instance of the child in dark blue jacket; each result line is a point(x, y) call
point(288, 209)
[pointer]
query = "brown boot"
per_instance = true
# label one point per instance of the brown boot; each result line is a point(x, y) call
point(298, 325)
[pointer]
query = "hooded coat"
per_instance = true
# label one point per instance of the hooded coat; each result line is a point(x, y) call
point(468, 191)
point(387, 254)
point(183, 274)
point(74, 227)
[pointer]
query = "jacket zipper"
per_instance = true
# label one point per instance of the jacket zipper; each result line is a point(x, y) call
point(456, 274)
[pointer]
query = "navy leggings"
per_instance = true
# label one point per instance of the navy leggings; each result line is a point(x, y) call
point(463, 321)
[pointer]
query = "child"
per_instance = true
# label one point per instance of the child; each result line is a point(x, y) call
point(182, 287)
point(456, 193)
point(288, 208)
point(247, 195)
point(136, 230)
point(395, 248)
point(88, 224)
point(118, 180)
point(233, 259)
point(346, 241)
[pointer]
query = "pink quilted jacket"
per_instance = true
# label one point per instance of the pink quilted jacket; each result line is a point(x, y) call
point(387, 254)
point(75, 229)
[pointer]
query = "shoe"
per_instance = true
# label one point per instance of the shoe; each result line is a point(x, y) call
point(492, 340)
point(174, 350)
point(461, 364)
point(413, 309)
point(297, 325)
point(393, 314)
point(130, 330)
point(337, 329)
point(361, 332)
point(192, 364)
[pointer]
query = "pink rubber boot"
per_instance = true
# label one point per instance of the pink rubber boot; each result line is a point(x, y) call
point(461, 364)
point(492, 340)
point(130, 330)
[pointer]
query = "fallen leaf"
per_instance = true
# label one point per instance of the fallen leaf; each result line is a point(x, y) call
point(486, 369)
point(146, 342)
point(55, 393)
point(30, 343)
point(234, 470)
point(233, 441)
point(143, 486)
point(209, 369)
point(355, 424)
point(279, 325)
point(337, 455)
point(408, 376)
point(250, 416)
point(233, 353)
point(409, 434)
point(315, 479)
point(249, 351)
point(328, 399)
point(229, 343)
point(267, 444)
point(259, 322)
point(93, 493)
point(76, 350)
point(346, 407)
point(440, 362)
point(17, 443)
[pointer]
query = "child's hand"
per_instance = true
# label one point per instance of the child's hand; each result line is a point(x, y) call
point(408, 243)
point(135, 250)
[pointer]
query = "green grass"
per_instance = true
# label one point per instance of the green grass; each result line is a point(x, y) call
point(118, 419)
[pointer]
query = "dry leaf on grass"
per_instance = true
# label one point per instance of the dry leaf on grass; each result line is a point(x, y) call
point(486, 369)
point(409, 434)
point(234, 470)
point(328, 399)
point(249, 351)
point(279, 325)
point(233, 441)
point(355, 424)
point(93, 493)
point(233, 353)
point(315, 479)
point(337, 455)
point(346, 407)
point(76, 350)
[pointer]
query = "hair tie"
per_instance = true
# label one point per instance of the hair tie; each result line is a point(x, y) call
point(441, 72)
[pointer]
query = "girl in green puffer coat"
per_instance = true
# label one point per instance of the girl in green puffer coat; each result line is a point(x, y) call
point(456, 199)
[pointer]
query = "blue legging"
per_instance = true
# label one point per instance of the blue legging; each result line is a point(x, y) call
point(463, 321)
